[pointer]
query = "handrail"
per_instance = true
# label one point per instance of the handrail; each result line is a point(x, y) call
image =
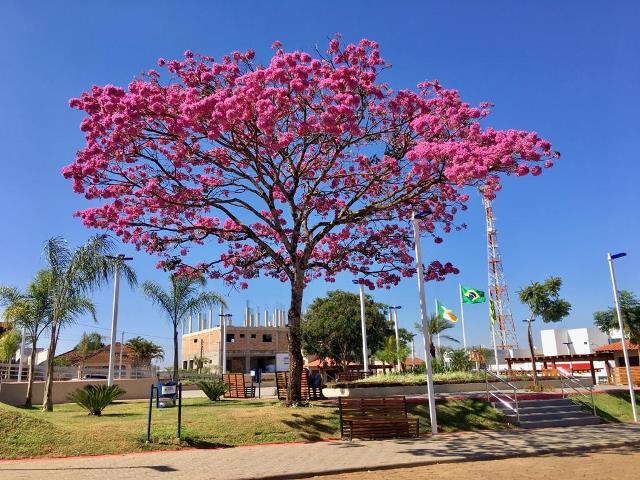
point(566, 375)
point(515, 408)
point(498, 377)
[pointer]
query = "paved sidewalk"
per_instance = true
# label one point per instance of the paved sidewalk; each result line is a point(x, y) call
point(290, 461)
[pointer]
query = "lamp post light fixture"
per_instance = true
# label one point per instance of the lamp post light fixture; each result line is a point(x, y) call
point(625, 351)
point(363, 325)
point(114, 318)
point(394, 309)
point(415, 220)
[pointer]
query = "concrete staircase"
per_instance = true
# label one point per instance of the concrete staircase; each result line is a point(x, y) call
point(557, 412)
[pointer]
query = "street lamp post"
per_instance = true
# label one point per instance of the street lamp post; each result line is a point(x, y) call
point(394, 309)
point(114, 318)
point(363, 325)
point(423, 317)
point(625, 352)
point(224, 317)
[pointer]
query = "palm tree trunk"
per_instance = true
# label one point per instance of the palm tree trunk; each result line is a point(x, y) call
point(533, 354)
point(32, 367)
point(175, 351)
point(432, 347)
point(47, 401)
point(294, 393)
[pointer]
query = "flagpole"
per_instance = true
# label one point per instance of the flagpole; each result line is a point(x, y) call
point(495, 348)
point(464, 335)
point(438, 315)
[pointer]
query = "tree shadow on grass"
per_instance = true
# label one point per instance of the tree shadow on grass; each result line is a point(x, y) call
point(312, 427)
point(203, 444)
point(126, 414)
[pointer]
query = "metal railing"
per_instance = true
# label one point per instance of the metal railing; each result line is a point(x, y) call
point(500, 394)
point(11, 373)
point(574, 384)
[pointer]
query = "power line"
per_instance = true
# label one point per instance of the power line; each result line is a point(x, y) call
point(132, 333)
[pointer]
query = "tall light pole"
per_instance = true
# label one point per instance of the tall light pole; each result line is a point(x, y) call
point(394, 309)
point(121, 350)
point(114, 318)
point(363, 325)
point(224, 317)
point(625, 352)
point(415, 218)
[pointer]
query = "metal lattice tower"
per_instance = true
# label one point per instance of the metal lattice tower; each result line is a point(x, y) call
point(498, 292)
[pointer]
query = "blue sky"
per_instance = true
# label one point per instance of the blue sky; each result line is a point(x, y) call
point(568, 70)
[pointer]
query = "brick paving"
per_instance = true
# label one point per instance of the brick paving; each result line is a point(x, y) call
point(290, 461)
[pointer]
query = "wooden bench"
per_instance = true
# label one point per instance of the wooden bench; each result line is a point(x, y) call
point(383, 417)
point(282, 383)
point(236, 387)
point(350, 376)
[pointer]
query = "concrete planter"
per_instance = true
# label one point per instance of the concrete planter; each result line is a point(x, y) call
point(443, 388)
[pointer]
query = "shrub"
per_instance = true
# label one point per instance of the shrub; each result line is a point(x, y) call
point(459, 360)
point(212, 389)
point(95, 398)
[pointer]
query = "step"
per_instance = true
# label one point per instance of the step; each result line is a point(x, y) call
point(549, 415)
point(545, 403)
point(552, 409)
point(567, 422)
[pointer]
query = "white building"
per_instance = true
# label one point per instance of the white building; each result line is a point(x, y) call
point(573, 341)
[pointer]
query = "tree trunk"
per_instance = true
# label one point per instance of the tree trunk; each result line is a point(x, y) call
point(432, 347)
point(294, 393)
point(175, 352)
point(533, 353)
point(32, 367)
point(47, 400)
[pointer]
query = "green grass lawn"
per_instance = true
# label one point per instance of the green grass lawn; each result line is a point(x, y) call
point(613, 407)
point(122, 427)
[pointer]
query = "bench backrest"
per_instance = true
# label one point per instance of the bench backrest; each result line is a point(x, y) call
point(282, 382)
point(349, 376)
point(380, 407)
point(235, 385)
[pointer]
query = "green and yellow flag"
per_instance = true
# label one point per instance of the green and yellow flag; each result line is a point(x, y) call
point(472, 295)
point(445, 313)
point(492, 313)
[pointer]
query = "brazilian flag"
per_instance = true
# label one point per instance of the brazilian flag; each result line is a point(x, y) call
point(472, 295)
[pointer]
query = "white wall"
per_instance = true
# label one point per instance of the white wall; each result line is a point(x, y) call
point(582, 340)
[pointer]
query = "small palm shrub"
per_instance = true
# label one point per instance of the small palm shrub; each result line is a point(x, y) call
point(212, 389)
point(95, 398)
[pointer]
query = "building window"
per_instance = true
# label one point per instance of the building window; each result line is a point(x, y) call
point(266, 337)
point(231, 337)
point(242, 335)
point(195, 340)
point(184, 364)
point(253, 335)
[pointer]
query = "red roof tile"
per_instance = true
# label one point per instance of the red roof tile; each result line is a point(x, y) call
point(615, 347)
point(100, 356)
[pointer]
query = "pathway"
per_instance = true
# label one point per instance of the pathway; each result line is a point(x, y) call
point(290, 461)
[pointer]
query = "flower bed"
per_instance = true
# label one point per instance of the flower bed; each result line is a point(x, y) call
point(406, 379)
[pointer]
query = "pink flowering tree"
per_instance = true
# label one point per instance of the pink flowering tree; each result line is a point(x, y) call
point(301, 169)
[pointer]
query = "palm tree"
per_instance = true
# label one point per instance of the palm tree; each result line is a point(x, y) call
point(29, 311)
point(183, 298)
point(144, 351)
point(74, 274)
point(543, 300)
point(436, 326)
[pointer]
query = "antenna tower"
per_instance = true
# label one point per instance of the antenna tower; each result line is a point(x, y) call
point(498, 291)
